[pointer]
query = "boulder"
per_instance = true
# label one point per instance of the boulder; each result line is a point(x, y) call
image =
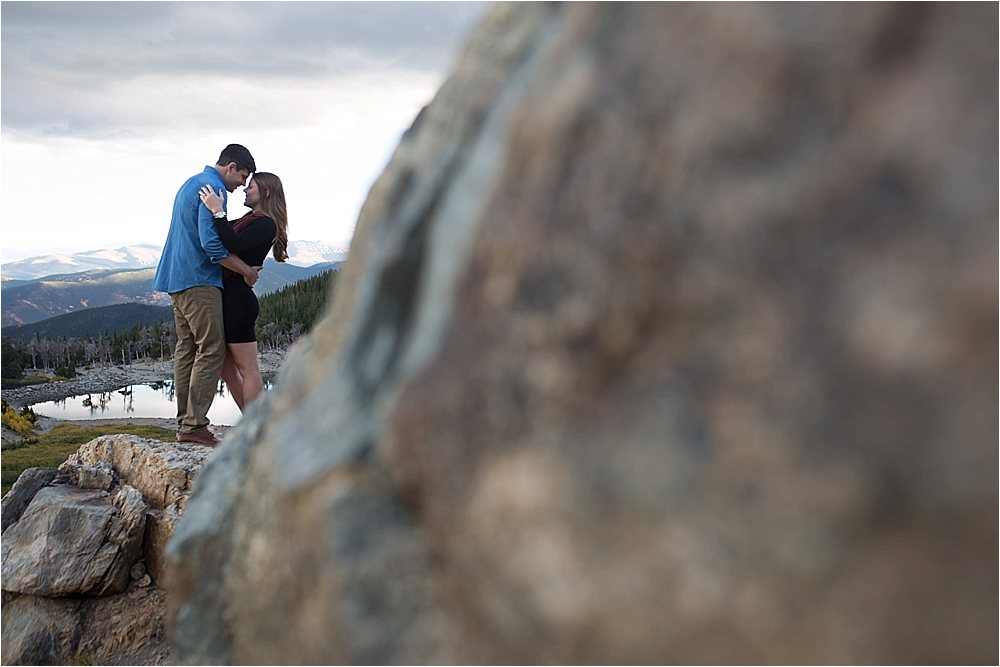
point(668, 335)
point(24, 489)
point(162, 472)
point(89, 531)
point(160, 526)
point(99, 476)
point(110, 630)
point(40, 631)
point(73, 541)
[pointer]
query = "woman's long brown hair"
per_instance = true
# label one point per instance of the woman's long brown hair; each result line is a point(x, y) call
point(273, 205)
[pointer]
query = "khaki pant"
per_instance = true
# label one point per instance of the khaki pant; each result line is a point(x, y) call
point(201, 349)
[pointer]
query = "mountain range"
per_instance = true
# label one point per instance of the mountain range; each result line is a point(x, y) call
point(139, 256)
point(92, 321)
point(310, 253)
point(145, 255)
point(28, 301)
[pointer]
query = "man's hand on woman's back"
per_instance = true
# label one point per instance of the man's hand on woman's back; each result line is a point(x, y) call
point(249, 279)
point(237, 265)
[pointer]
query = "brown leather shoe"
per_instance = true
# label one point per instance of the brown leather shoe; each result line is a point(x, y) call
point(201, 436)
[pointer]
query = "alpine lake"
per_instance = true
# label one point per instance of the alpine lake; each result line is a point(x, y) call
point(153, 400)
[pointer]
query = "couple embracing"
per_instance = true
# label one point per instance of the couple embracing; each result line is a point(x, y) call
point(209, 267)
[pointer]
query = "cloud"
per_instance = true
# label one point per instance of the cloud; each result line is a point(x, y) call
point(106, 70)
point(108, 107)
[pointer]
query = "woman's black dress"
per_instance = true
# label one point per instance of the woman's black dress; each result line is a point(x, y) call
point(239, 303)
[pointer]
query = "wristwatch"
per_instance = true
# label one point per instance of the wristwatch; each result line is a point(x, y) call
point(221, 215)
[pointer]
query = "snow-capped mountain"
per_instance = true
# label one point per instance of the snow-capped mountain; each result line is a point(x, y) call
point(307, 253)
point(130, 257)
point(144, 255)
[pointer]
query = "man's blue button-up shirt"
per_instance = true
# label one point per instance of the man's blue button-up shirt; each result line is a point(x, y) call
point(193, 249)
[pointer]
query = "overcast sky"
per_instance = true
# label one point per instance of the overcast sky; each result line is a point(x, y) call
point(107, 108)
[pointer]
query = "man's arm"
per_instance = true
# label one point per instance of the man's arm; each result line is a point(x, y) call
point(237, 265)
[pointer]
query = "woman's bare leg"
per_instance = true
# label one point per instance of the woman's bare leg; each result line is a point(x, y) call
point(233, 378)
point(245, 357)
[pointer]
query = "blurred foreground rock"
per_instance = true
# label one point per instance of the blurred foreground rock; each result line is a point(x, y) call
point(669, 335)
point(77, 544)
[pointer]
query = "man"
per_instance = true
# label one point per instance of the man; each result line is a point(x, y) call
point(190, 272)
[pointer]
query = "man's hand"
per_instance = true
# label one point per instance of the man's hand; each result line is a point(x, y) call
point(250, 277)
point(237, 265)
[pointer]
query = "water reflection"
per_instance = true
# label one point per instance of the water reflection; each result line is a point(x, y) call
point(140, 400)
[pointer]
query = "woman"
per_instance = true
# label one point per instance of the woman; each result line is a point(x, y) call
point(250, 238)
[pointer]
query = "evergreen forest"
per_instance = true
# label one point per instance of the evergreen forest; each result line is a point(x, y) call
point(284, 316)
point(291, 311)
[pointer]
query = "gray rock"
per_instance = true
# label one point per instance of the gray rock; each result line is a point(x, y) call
point(40, 631)
point(127, 533)
point(160, 525)
point(162, 472)
point(112, 630)
point(21, 493)
point(668, 335)
point(73, 541)
point(99, 476)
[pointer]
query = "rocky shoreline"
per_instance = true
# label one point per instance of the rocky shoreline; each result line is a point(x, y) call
point(93, 381)
point(98, 380)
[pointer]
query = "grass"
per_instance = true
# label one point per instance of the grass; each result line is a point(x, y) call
point(48, 450)
point(37, 378)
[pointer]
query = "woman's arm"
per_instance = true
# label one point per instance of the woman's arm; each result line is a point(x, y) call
point(259, 231)
point(214, 203)
point(228, 235)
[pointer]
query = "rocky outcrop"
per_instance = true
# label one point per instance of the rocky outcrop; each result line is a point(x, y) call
point(112, 630)
point(40, 631)
point(74, 541)
point(162, 472)
point(21, 493)
point(82, 551)
point(668, 335)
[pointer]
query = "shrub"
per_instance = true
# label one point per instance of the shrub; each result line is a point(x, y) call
point(21, 422)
